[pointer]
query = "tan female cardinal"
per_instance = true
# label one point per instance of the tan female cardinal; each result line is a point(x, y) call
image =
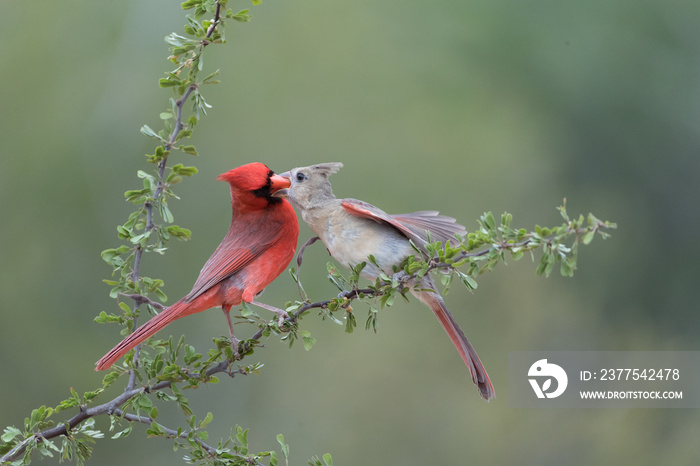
point(259, 244)
point(352, 230)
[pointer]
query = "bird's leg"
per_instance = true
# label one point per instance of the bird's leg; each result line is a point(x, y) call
point(281, 314)
point(311, 241)
point(234, 340)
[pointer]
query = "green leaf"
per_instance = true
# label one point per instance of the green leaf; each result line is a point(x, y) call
point(206, 420)
point(184, 171)
point(350, 322)
point(109, 379)
point(372, 321)
point(10, 433)
point(562, 211)
point(489, 221)
point(189, 4)
point(285, 447)
point(188, 150)
point(142, 237)
point(242, 16)
point(165, 212)
point(168, 82)
point(308, 340)
point(91, 395)
point(468, 281)
point(179, 232)
point(242, 436)
point(145, 129)
point(111, 256)
point(209, 78)
point(506, 219)
point(155, 430)
point(566, 269)
point(123, 433)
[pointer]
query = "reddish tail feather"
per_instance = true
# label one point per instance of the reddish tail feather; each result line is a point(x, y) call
point(465, 349)
point(150, 328)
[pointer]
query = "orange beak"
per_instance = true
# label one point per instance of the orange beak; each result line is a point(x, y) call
point(279, 185)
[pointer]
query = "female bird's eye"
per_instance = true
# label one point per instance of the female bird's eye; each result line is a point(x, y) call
point(301, 177)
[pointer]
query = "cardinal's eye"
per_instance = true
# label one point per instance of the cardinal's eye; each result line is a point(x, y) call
point(301, 177)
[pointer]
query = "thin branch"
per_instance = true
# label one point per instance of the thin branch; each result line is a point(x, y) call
point(64, 427)
point(111, 407)
point(141, 299)
point(215, 22)
point(169, 432)
point(148, 205)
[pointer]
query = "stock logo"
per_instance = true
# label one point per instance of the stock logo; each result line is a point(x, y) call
point(544, 372)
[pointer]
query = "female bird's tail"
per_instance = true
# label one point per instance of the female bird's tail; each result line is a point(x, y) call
point(432, 299)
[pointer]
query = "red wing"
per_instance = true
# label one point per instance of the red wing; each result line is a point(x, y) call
point(363, 209)
point(238, 248)
point(414, 225)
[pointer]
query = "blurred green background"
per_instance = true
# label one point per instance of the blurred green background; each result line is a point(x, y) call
point(462, 106)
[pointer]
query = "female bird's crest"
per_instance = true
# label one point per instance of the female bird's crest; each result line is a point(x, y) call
point(328, 168)
point(310, 185)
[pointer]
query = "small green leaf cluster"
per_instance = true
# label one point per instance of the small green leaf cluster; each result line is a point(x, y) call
point(314, 461)
point(177, 367)
point(327, 460)
point(232, 451)
point(494, 242)
point(74, 445)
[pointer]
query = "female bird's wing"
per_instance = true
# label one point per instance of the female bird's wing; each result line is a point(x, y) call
point(414, 225)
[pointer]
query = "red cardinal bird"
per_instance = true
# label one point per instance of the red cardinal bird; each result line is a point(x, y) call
point(259, 244)
point(352, 230)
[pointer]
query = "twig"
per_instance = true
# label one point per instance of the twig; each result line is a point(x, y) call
point(148, 205)
point(141, 299)
point(169, 432)
point(215, 22)
point(111, 407)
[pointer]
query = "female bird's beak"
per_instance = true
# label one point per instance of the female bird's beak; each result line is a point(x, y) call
point(279, 185)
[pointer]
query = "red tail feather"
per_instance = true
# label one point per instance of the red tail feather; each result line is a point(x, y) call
point(150, 328)
point(465, 349)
